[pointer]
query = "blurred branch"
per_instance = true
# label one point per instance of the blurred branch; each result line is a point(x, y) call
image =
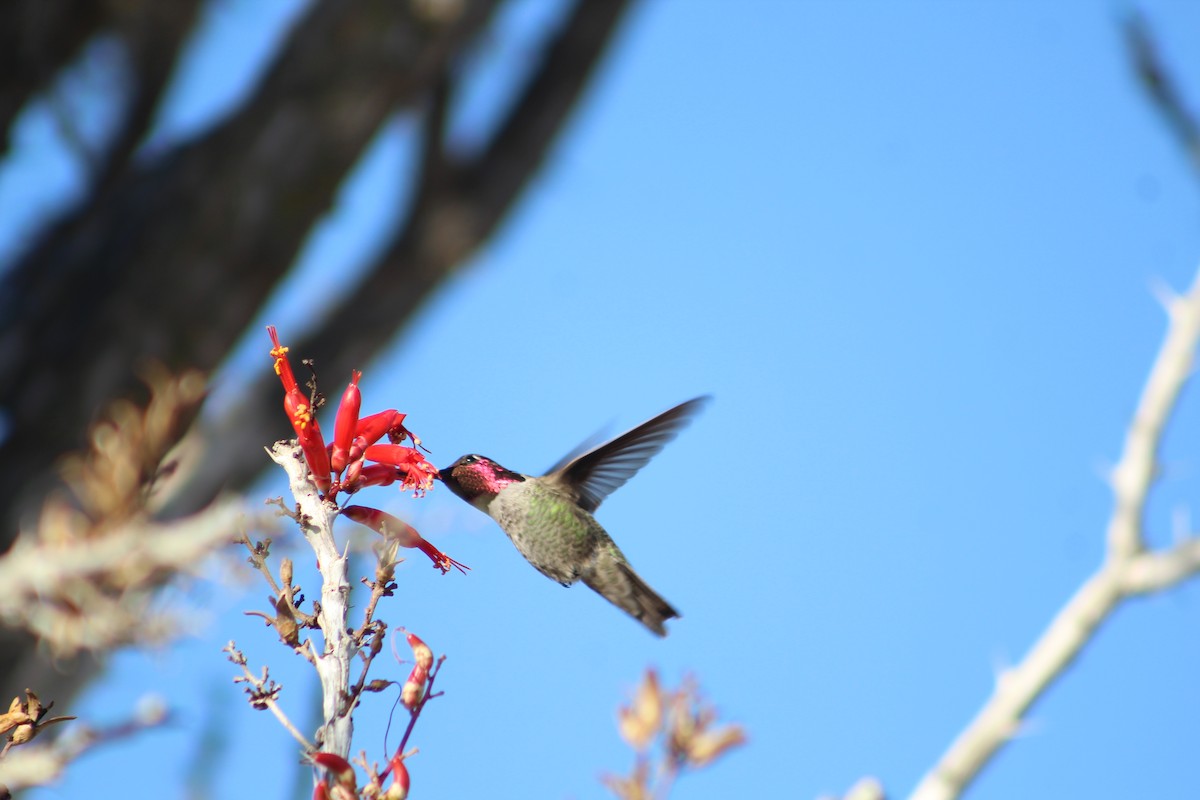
point(1128, 569)
point(82, 578)
point(151, 38)
point(94, 594)
point(37, 39)
point(1160, 86)
point(154, 35)
point(863, 789)
point(460, 203)
point(42, 764)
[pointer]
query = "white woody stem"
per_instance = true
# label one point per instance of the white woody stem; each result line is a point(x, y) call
point(334, 662)
point(1127, 569)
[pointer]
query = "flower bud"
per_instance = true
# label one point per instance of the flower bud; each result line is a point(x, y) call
point(370, 430)
point(338, 767)
point(346, 422)
point(414, 688)
point(399, 788)
point(300, 414)
point(421, 652)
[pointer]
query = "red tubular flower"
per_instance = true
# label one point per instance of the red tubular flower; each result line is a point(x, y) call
point(282, 368)
point(399, 788)
point(373, 428)
point(359, 477)
point(344, 426)
point(396, 454)
point(419, 478)
point(300, 414)
point(418, 473)
point(405, 535)
point(308, 433)
point(367, 432)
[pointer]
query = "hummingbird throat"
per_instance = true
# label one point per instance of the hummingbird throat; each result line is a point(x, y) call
point(488, 477)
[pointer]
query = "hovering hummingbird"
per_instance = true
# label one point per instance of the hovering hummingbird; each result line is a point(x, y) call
point(549, 518)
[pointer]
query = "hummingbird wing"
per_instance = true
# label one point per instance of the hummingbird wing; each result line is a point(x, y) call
point(588, 444)
point(600, 471)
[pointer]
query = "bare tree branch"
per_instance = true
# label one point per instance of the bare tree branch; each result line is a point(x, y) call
point(1161, 87)
point(154, 36)
point(263, 690)
point(1127, 570)
point(37, 39)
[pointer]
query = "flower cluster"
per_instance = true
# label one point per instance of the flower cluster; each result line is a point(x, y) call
point(356, 459)
point(684, 730)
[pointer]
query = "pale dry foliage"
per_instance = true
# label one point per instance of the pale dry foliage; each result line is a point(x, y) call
point(671, 731)
point(85, 576)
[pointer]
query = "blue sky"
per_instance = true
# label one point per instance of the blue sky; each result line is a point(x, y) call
point(910, 249)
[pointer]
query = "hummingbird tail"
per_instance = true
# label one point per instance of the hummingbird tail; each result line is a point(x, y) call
point(641, 602)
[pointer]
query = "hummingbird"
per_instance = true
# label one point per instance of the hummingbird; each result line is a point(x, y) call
point(549, 517)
